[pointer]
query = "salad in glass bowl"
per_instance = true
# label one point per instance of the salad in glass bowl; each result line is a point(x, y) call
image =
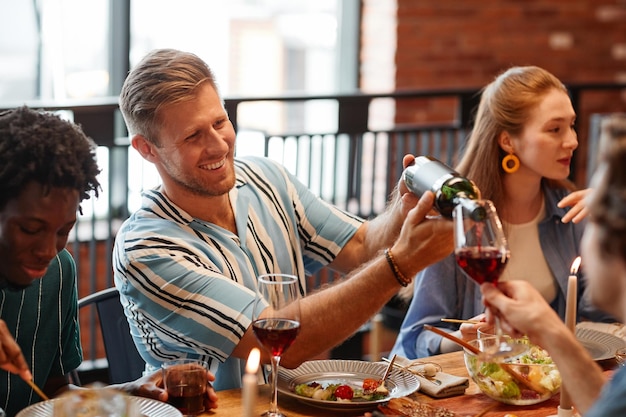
point(524, 380)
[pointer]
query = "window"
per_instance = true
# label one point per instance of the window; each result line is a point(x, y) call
point(53, 50)
point(58, 49)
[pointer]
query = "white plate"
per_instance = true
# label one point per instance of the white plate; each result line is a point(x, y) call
point(400, 383)
point(600, 345)
point(147, 407)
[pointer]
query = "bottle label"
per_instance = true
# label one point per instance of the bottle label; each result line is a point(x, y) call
point(429, 176)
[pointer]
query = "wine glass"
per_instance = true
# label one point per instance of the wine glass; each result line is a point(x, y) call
point(276, 322)
point(482, 251)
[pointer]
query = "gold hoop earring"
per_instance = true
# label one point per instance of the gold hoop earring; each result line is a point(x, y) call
point(510, 163)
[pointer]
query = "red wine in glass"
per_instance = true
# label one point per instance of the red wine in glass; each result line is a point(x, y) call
point(481, 250)
point(483, 264)
point(276, 335)
point(276, 322)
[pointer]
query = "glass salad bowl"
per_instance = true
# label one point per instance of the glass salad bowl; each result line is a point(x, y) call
point(524, 380)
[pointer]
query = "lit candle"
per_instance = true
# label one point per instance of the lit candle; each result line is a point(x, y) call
point(570, 306)
point(250, 383)
point(565, 405)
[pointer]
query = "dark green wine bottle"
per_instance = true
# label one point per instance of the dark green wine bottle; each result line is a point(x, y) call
point(450, 187)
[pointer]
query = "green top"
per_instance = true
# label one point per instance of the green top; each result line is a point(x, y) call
point(43, 318)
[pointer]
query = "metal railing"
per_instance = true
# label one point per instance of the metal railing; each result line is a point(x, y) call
point(354, 167)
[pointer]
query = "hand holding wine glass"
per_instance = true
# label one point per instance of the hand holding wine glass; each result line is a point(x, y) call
point(482, 251)
point(276, 321)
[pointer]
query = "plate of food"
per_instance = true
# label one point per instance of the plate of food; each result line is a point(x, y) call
point(345, 384)
point(600, 345)
point(142, 407)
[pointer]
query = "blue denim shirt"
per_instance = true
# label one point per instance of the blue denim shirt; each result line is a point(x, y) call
point(443, 289)
point(612, 401)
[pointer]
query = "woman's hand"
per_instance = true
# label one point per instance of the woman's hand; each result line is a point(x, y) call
point(575, 200)
point(11, 357)
point(469, 330)
point(466, 331)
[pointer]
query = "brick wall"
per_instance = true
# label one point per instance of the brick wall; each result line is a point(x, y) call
point(86, 282)
point(449, 43)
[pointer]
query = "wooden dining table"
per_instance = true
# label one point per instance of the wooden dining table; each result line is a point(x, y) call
point(472, 403)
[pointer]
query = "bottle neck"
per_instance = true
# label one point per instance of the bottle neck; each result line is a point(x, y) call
point(477, 212)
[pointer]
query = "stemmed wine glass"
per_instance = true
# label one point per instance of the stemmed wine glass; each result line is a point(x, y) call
point(482, 251)
point(276, 322)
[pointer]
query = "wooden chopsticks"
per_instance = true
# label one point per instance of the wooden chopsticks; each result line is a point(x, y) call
point(37, 389)
point(453, 338)
point(389, 367)
point(462, 321)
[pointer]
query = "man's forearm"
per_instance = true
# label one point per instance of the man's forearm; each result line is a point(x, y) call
point(372, 237)
point(331, 316)
point(383, 230)
point(581, 374)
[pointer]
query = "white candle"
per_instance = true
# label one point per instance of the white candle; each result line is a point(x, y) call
point(570, 321)
point(250, 383)
point(375, 337)
point(572, 292)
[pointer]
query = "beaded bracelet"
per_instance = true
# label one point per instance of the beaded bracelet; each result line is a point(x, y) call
point(398, 275)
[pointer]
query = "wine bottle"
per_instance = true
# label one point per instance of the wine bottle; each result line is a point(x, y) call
point(450, 187)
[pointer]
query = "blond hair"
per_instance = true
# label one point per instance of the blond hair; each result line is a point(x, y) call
point(505, 105)
point(162, 77)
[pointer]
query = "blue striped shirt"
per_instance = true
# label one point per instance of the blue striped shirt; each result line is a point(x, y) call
point(187, 286)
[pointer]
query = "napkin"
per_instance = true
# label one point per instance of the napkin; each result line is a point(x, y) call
point(449, 386)
point(437, 385)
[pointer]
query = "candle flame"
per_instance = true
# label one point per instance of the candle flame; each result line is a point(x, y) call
point(575, 265)
point(254, 358)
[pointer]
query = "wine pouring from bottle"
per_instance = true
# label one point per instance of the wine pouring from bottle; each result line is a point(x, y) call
point(450, 187)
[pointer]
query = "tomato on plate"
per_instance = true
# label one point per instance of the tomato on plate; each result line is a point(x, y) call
point(344, 392)
point(370, 384)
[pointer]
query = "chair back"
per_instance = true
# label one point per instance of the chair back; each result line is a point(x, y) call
point(125, 363)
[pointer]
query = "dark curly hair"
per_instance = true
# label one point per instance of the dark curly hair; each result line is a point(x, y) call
point(608, 203)
point(41, 147)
